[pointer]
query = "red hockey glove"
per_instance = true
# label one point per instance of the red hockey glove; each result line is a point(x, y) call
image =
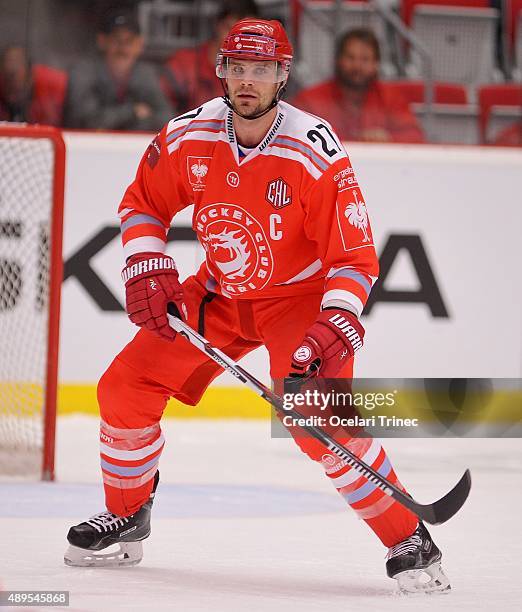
point(333, 338)
point(151, 282)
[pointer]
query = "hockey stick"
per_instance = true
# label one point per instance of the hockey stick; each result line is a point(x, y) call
point(435, 514)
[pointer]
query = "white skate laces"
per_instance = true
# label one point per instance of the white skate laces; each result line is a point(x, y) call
point(106, 521)
point(410, 544)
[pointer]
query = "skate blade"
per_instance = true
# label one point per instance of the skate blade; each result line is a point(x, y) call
point(431, 579)
point(126, 554)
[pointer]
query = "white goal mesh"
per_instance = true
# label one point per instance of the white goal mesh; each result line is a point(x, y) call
point(29, 197)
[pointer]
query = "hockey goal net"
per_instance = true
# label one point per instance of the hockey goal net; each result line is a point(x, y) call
point(32, 168)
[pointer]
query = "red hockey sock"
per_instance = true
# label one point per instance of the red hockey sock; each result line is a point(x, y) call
point(390, 521)
point(129, 461)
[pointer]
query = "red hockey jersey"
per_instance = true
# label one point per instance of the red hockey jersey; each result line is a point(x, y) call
point(287, 219)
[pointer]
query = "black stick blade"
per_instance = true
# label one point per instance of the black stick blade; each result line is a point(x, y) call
point(443, 509)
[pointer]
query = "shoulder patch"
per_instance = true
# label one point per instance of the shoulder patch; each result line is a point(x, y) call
point(154, 151)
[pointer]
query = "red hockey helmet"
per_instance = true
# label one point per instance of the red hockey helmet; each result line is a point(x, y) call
point(257, 39)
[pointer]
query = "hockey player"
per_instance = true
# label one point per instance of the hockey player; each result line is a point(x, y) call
point(289, 265)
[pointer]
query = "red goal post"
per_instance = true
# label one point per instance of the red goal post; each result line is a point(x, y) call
point(32, 175)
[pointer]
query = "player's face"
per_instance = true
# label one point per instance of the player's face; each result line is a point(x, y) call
point(248, 88)
point(357, 65)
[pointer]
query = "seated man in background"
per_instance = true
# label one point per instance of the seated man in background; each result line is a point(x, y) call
point(115, 90)
point(30, 93)
point(190, 74)
point(355, 102)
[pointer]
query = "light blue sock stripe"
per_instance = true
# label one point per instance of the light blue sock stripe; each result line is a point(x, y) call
point(128, 471)
point(368, 488)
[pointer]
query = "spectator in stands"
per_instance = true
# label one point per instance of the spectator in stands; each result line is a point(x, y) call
point(511, 136)
point(30, 93)
point(355, 102)
point(116, 90)
point(190, 74)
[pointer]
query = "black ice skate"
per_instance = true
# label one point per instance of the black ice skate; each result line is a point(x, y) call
point(415, 564)
point(106, 529)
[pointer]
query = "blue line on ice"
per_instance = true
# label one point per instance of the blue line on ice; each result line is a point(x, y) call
point(53, 500)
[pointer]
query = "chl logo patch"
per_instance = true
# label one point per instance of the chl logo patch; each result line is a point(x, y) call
point(278, 193)
point(197, 170)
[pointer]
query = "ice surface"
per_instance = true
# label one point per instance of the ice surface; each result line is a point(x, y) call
point(242, 522)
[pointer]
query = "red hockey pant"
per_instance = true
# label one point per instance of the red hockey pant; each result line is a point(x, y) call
point(134, 390)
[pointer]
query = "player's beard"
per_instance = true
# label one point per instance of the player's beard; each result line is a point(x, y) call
point(251, 109)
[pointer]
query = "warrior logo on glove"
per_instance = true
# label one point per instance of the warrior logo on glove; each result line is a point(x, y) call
point(330, 341)
point(303, 353)
point(348, 330)
point(151, 283)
